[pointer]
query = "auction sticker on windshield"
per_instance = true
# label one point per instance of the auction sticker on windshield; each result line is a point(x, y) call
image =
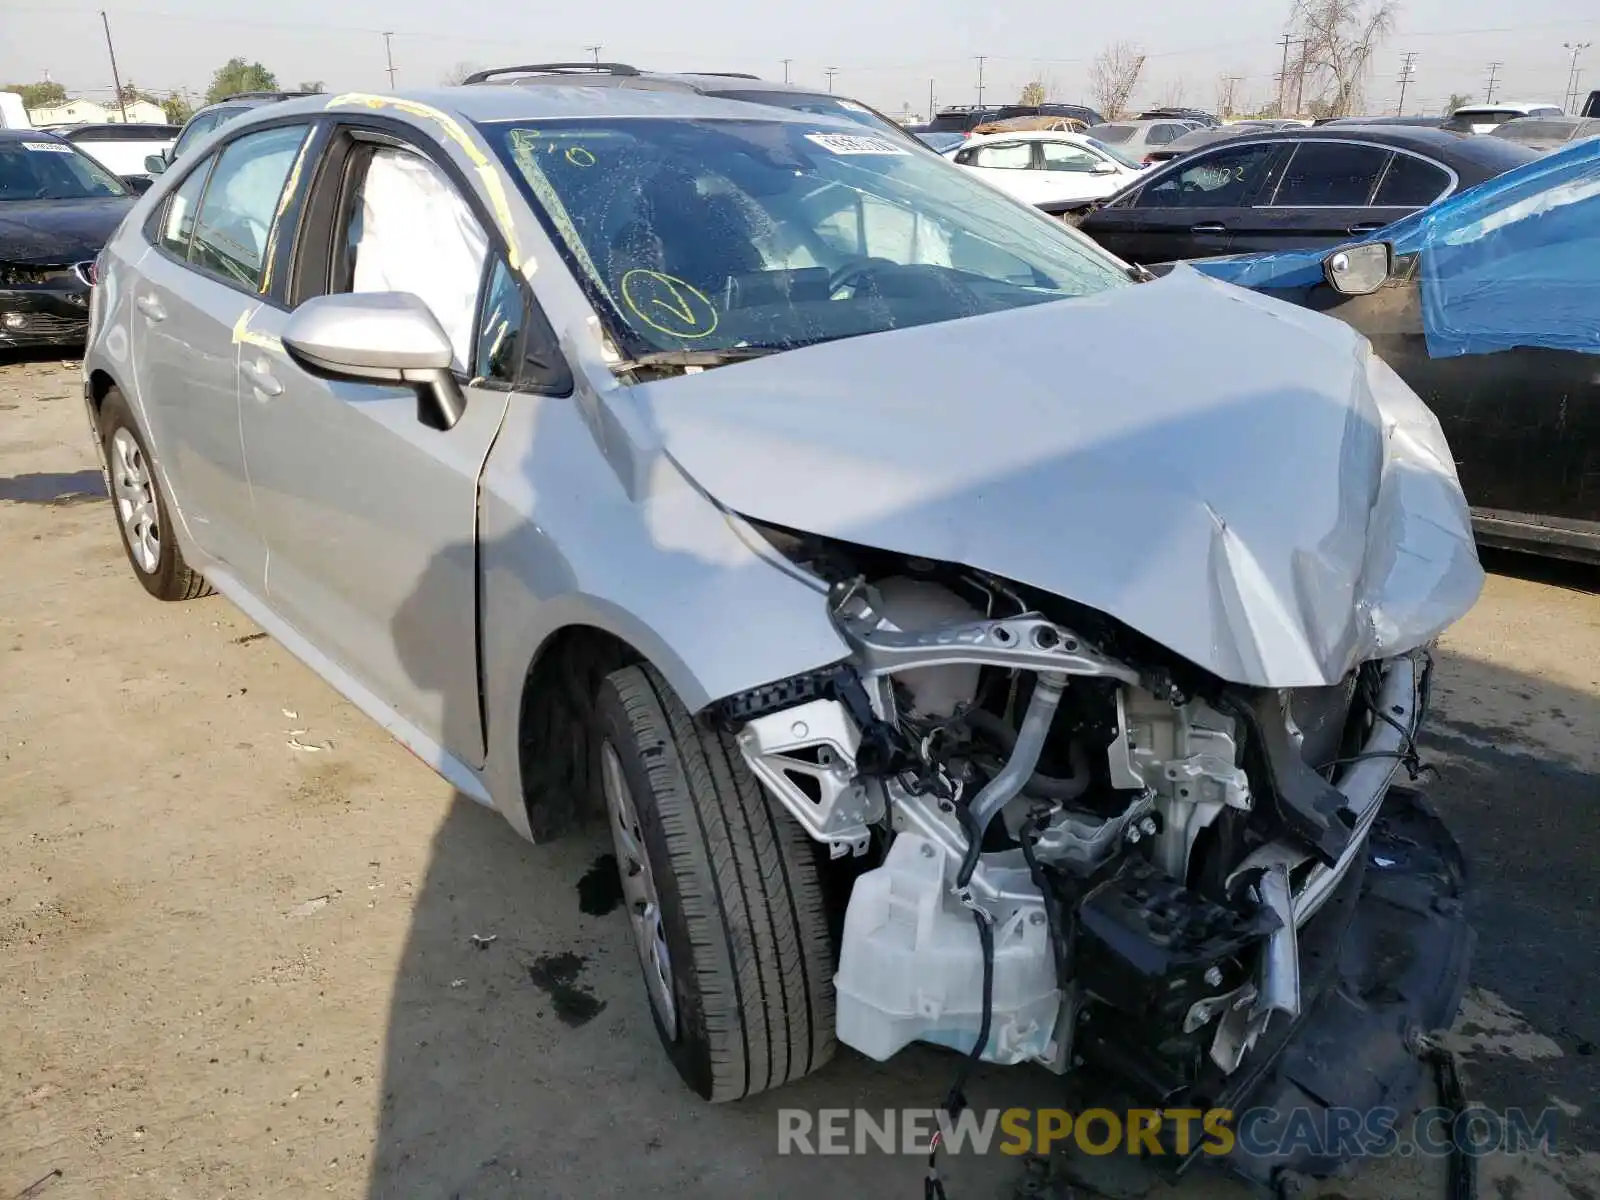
point(48, 147)
point(854, 143)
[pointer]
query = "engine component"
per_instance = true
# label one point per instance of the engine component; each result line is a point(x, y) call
point(1186, 757)
point(911, 966)
point(1011, 778)
point(806, 756)
point(919, 605)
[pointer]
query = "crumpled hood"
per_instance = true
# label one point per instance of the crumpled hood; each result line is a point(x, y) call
point(1236, 478)
point(59, 231)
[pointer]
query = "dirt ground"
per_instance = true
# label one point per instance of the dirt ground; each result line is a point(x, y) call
point(237, 923)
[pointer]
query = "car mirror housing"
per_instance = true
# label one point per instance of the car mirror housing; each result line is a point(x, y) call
point(155, 164)
point(1359, 270)
point(378, 337)
point(1103, 168)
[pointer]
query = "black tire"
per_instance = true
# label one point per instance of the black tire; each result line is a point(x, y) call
point(740, 896)
point(171, 578)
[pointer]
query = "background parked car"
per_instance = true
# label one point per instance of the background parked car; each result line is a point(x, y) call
point(939, 142)
point(209, 118)
point(1487, 304)
point(1486, 118)
point(1056, 171)
point(1418, 120)
point(726, 85)
point(1196, 139)
point(1548, 133)
point(57, 208)
point(1077, 112)
point(1136, 139)
point(1295, 188)
point(961, 118)
point(123, 148)
point(1197, 115)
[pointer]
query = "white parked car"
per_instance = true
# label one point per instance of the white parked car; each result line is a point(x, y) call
point(1055, 171)
point(122, 148)
point(1486, 118)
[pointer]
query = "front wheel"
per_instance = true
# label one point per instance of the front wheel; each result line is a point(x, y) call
point(723, 893)
point(142, 513)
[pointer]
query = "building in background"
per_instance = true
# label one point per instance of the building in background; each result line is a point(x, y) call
point(92, 112)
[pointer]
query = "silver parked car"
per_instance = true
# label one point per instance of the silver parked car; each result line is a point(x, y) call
point(946, 671)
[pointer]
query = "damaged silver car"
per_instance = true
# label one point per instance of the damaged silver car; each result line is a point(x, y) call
point(968, 639)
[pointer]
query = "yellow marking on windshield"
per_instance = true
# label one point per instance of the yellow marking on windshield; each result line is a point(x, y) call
point(579, 157)
point(646, 292)
point(524, 143)
point(453, 130)
point(283, 204)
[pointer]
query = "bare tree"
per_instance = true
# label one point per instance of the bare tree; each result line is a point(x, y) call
point(1112, 77)
point(1337, 42)
point(1172, 96)
point(1032, 93)
point(1227, 89)
point(457, 74)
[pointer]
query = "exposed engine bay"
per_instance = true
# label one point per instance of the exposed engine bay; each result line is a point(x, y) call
point(1072, 828)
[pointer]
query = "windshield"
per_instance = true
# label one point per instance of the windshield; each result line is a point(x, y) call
point(822, 106)
point(720, 235)
point(45, 169)
point(1113, 153)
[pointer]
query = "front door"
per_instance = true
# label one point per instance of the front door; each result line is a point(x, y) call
point(370, 514)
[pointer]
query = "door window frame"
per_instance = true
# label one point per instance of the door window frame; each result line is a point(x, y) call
point(1377, 182)
point(328, 191)
point(1188, 162)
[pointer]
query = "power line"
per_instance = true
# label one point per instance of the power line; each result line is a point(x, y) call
point(115, 78)
point(595, 51)
point(1488, 96)
point(980, 58)
point(388, 54)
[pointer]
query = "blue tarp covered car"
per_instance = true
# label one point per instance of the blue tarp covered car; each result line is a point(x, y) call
point(1488, 305)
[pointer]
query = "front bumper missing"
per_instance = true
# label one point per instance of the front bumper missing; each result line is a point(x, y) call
point(1383, 965)
point(44, 316)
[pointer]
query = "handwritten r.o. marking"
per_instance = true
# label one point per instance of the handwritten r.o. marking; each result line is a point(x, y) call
point(668, 304)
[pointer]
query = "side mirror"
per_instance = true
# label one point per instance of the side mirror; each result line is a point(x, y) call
point(379, 337)
point(1103, 168)
point(1359, 270)
point(155, 164)
point(137, 184)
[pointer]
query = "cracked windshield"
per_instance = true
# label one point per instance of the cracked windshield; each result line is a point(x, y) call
point(740, 237)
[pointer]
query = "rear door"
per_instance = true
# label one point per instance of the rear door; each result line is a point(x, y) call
point(213, 243)
point(1323, 196)
point(1189, 208)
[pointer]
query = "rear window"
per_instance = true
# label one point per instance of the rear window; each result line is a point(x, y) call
point(1114, 133)
point(1479, 116)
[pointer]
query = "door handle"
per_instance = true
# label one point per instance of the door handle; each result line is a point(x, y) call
point(1365, 227)
point(1209, 227)
point(151, 307)
point(261, 378)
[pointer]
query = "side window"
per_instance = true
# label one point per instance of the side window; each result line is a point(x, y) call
point(1160, 135)
point(194, 131)
point(177, 224)
point(1222, 179)
point(241, 203)
point(1014, 156)
point(1411, 183)
point(499, 327)
point(409, 230)
point(1330, 175)
point(1064, 156)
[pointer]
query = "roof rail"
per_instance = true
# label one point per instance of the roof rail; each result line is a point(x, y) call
point(727, 74)
point(554, 68)
point(265, 96)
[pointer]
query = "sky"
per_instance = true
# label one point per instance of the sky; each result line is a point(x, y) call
point(889, 58)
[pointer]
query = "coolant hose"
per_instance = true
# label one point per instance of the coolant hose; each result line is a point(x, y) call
point(1046, 787)
point(1011, 778)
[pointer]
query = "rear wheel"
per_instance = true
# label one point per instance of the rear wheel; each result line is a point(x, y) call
point(723, 893)
point(142, 513)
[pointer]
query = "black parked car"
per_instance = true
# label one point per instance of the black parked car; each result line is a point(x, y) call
point(1181, 114)
point(1292, 189)
point(57, 208)
point(1487, 306)
point(961, 118)
point(1076, 111)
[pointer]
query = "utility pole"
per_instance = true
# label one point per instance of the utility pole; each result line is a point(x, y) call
point(1405, 78)
point(115, 78)
point(1488, 95)
point(388, 53)
point(1283, 72)
point(594, 51)
point(786, 63)
point(1570, 100)
point(980, 58)
point(830, 73)
point(931, 109)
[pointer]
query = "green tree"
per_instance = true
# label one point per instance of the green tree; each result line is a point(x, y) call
point(235, 76)
point(178, 109)
point(314, 85)
point(1032, 93)
point(38, 95)
point(1456, 101)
